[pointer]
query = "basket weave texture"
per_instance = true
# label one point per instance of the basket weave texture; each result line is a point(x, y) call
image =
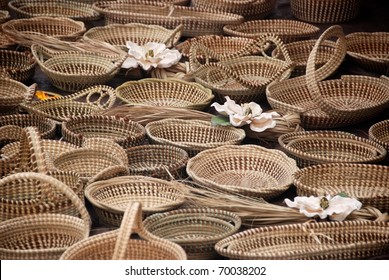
point(12, 94)
point(4, 16)
point(379, 133)
point(17, 65)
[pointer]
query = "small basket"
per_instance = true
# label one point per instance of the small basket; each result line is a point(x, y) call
point(166, 93)
point(17, 66)
point(325, 11)
point(110, 197)
point(369, 50)
point(158, 161)
point(12, 94)
point(120, 34)
point(369, 183)
point(191, 135)
point(118, 244)
point(379, 133)
point(197, 230)
point(286, 29)
point(4, 16)
point(309, 241)
point(318, 147)
point(248, 170)
point(122, 131)
point(9, 162)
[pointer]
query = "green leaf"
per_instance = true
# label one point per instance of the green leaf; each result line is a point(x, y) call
point(220, 120)
point(343, 194)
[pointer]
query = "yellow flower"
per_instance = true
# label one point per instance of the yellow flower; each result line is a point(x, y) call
point(43, 95)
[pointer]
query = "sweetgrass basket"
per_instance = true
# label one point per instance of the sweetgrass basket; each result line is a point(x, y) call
point(118, 244)
point(165, 92)
point(309, 241)
point(191, 135)
point(379, 133)
point(12, 94)
point(196, 230)
point(17, 66)
point(369, 183)
point(318, 147)
point(5, 41)
point(4, 16)
point(158, 161)
point(9, 162)
point(249, 170)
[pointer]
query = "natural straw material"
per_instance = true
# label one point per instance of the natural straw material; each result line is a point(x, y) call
point(197, 230)
point(379, 133)
point(12, 94)
point(5, 41)
point(4, 16)
point(17, 66)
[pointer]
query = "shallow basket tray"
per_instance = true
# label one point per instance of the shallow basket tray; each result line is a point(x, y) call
point(310, 241)
point(110, 197)
point(12, 94)
point(317, 147)
point(369, 183)
point(167, 93)
point(17, 66)
point(197, 230)
point(5, 41)
point(158, 161)
point(192, 135)
point(248, 170)
point(379, 133)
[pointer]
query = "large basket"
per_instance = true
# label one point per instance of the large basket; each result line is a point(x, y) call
point(249, 170)
point(325, 11)
point(379, 133)
point(317, 147)
point(165, 92)
point(17, 66)
point(197, 230)
point(368, 183)
point(191, 135)
point(110, 197)
point(12, 94)
point(309, 241)
point(5, 41)
point(196, 21)
point(118, 244)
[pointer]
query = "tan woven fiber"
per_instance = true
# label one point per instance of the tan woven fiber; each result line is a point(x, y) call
point(249, 170)
point(369, 183)
point(165, 92)
point(196, 21)
point(9, 162)
point(192, 135)
point(379, 133)
point(42, 236)
point(309, 241)
point(110, 197)
point(17, 65)
point(118, 244)
point(197, 230)
point(12, 94)
point(317, 147)
point(369, 50)
point(5, 41)
point(4, 16)
point(325, 11)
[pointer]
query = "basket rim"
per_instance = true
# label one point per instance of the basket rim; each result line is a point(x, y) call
point(372, 132)
point(371, 37)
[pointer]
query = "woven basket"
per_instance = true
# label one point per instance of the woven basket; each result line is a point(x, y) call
point(12, 94)
point(53, 8)
point(317, 147)
point(110, 197)
point(158, 161)
point(120, 130)
point(325, 11)
point(16, 65)
point(120, 34)
point(309, 241)
point(166, 92)
point(249, 170)
point(9, 162)
point(197, 230)
point(369, 50)
point(368, 183)
point(195, 21)
point(286, 29)
point(118, 244)
point(4, 16)
point(5, 41)
point(379, 133)
point(191, 135)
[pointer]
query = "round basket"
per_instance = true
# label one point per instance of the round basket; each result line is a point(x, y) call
point(120, 130)
point(158, 161)
point(325, 11)
point(369, 50)
point(368, 183)
point(249, 170)
point(166, 93)
point(286, 29)
point(191, 135)
point(317, 147)
point(5, 41)
point(379, 133)
point(4, 16)
point(196, 230)
point(309, 241)
point(119, 245)
point(12, 94)
point(9, 162)
point(17, 65)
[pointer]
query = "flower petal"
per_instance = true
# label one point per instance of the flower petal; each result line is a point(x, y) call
point(130, 62)
point(169, 58)
point(340, 207)
point(256, 109)
point(262, 122)
point(228, 108)
point(239, 120)
point(136, 51)
point(157, 48)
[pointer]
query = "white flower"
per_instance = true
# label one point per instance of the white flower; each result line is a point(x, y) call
point(336, 208)
point(151, 55)
point(263, 122)
point(228, 108)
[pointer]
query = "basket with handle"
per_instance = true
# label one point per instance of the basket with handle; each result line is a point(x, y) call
point(19, 66)
point(119, 245)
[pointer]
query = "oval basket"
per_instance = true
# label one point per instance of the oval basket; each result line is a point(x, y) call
point(248, 170)
point(368, 183)
point(196, 230)
point(4, 16)
point(166, 93)
point(17, 65)
point(12, 94)
point(191, 135)
point(379, 133)
point(309, 241)
point(317, 147)
point(119, 245)
point(5, 41)
point(158, 161)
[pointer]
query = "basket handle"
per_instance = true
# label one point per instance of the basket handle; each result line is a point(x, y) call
point(100, 96)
